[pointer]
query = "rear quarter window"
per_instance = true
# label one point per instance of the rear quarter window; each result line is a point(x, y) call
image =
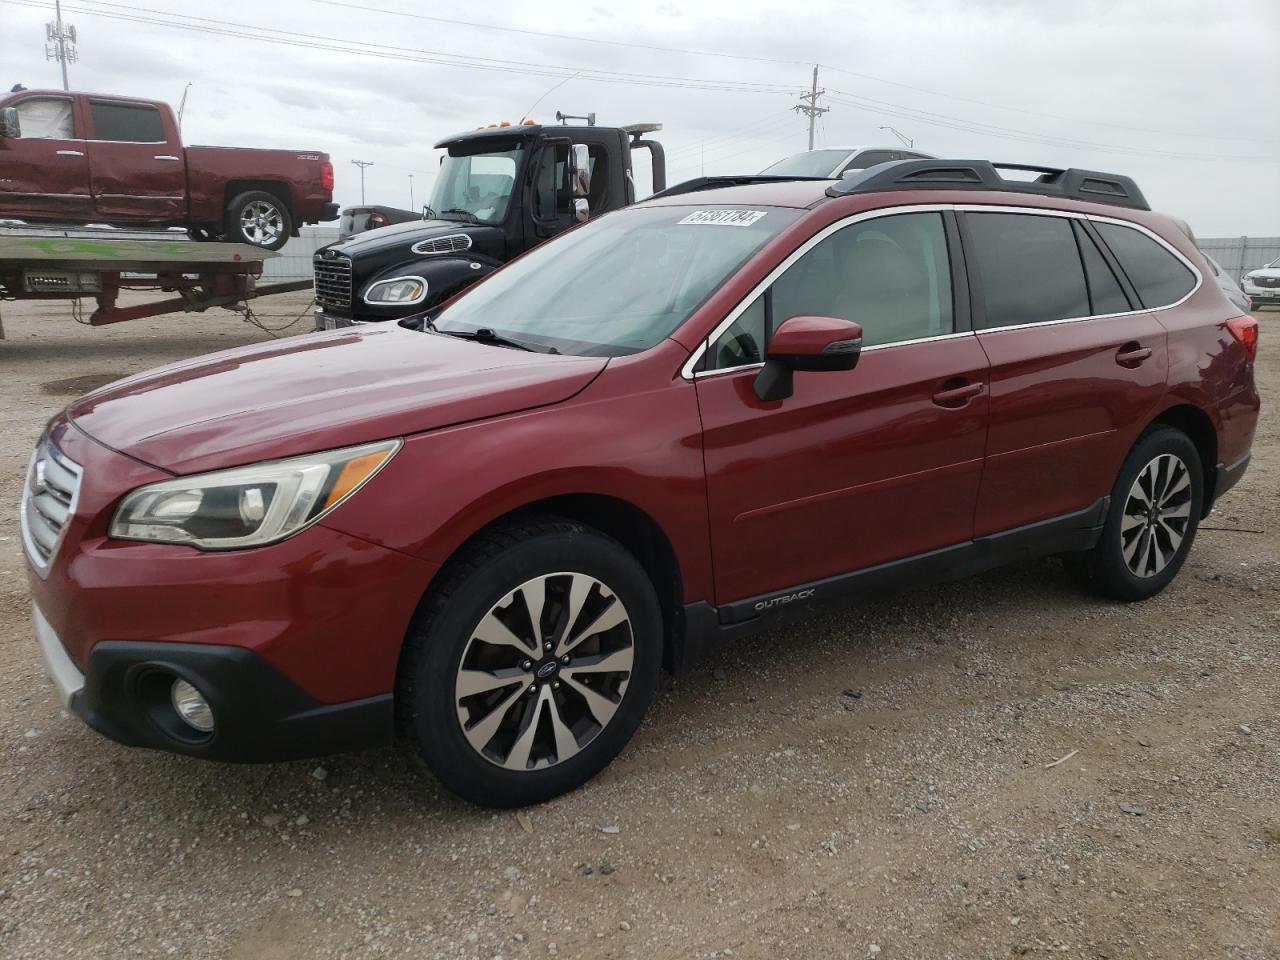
point(1159, 277)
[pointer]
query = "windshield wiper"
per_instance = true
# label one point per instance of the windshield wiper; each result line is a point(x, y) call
point(487, 335)
point(471, 217)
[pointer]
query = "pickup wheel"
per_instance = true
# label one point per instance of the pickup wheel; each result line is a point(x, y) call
point(258, 218)
point(531, 663)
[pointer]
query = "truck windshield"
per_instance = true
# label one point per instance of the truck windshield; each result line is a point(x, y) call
point(476, 187)
point(619, 284)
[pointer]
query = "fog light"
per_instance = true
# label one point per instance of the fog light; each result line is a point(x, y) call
point(192, 706)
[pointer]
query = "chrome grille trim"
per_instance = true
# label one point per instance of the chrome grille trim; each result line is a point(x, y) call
point(332, 280)
point(454, 243)
point(49, 498)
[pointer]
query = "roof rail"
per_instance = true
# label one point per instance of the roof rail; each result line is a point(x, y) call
point(713, 183)
point(1072, 183)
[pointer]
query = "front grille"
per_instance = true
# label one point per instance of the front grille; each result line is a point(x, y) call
point(1266, 281)
point(333, 281)
point(48, 502)
point(454, 243)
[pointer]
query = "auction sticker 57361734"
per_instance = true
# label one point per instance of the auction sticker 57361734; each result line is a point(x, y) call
point(725, 218)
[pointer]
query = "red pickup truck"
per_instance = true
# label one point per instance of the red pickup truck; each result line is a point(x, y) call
point(90, 158)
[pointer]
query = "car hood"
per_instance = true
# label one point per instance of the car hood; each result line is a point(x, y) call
point(1271, 272)
point(318, 392)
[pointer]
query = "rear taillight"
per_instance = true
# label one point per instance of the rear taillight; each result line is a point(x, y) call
point(326, 176)
point(1245, 330)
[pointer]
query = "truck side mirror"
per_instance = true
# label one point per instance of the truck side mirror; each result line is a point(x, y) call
point(579, 170)
point(581, 210)
point(10, 124)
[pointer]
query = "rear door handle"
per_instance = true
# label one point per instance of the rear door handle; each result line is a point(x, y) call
point(1132, 354)
point(163, 156)
point(956, 394)
point(70, 153)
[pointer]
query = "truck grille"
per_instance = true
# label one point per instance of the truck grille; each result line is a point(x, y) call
point(1266, 281)
point(48, 502)
point(454, 243)
point(333, 280)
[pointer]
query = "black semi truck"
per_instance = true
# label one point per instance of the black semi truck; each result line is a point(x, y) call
point(501, 190)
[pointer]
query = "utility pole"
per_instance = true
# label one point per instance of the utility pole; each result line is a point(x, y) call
point(362, 164)
point(60, 42)
point(183, 105)
point(810, 107)
point(411, 207)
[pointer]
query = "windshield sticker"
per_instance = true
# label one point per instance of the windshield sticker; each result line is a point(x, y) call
point(724, 218)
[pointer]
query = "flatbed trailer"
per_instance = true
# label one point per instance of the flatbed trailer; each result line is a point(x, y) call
point(203, 275)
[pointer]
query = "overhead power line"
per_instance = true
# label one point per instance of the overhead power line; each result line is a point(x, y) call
point(413, 15)
point(292, 38)
point(365, 8)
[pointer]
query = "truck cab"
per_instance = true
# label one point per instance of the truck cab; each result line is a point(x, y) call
point(501, 190)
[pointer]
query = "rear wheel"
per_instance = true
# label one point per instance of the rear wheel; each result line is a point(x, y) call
point(532, 664)
point(1155, 510)
point(259, 218)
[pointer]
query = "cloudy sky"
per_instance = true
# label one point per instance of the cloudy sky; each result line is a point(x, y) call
point(1180, 94)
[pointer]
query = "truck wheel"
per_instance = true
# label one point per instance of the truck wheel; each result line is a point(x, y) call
point(259, 218)
point(531, 664)
point(1155, 512)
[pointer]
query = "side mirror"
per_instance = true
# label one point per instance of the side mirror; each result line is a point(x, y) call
point(581, 210)
point(10, 124)
point(579, 170)
point(811, 344)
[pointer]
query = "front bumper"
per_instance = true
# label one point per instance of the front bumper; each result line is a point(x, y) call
point(1260, 294)
point(259, 714)
point(297, 641)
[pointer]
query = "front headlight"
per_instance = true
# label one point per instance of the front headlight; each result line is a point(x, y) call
point(398, 290)
point(248, 506)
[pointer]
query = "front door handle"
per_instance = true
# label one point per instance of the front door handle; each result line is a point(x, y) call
point(163, 156)
point(70, 153)
point(1132, 354)
point(956, 393)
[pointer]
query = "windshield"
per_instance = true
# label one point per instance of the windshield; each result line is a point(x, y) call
point(618, 284)
point(814, 163)
point(477, 187)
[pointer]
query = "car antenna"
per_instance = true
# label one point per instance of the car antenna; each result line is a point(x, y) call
point(552, 90)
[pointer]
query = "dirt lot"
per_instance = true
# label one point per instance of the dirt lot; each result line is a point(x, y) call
point(876, 784)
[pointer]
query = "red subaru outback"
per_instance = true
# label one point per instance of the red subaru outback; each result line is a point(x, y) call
point(669, 427)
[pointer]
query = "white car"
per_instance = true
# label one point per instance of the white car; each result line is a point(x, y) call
point(834, 162)
point(1262, 286)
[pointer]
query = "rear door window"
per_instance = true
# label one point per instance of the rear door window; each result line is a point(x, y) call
point(1028, 266)
point(1159, 277)
point(126, 122)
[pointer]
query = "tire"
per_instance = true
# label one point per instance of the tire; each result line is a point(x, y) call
point(501, 745)
point(1137, 555)
point(258, 218)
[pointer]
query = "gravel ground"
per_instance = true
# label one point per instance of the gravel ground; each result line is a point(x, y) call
point(871, 785)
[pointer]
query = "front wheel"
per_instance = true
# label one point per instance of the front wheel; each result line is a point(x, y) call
point(1155, 511)
point(259, 218)
point(532, 664)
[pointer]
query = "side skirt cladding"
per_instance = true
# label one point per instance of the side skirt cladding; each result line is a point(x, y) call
point(708, 629)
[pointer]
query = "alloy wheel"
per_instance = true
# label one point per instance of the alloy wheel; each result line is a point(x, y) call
point(544, 671)
point(1157, 514)
point(261, 222)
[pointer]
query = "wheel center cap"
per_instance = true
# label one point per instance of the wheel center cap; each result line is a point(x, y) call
point(547, 669)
